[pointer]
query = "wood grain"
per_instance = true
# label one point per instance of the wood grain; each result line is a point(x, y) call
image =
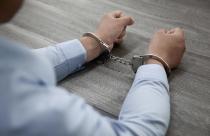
point(43, 23)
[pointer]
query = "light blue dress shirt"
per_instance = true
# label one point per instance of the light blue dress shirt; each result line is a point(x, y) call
point(32, 105)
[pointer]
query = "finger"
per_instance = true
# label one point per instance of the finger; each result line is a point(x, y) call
point(162, 31)
point(178, 31)
point(171, 31)
point(119, 40)
point(126, 20)
point(116, 14)
point(123, 33)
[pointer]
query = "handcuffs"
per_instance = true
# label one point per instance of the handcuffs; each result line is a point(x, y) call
point(136, 61)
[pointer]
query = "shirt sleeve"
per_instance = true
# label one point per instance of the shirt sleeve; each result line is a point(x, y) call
point(49, 110)
point(66, 57)
point(146, 109)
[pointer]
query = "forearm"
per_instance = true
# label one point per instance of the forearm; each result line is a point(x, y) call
point(92, 47)
point(145, 112)
point(66, 57)
point(146, 109)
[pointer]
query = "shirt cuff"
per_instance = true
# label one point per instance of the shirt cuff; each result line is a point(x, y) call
point(73, 50)
point(74, 56)
point(153, 72)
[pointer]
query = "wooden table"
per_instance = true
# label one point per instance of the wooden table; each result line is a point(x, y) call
point(47, 22)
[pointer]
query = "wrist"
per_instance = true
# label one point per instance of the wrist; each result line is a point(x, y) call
point(153, 61)
point(104, 38)
point(92, 47)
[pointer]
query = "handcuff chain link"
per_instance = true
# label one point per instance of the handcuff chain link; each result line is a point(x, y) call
point(120, 60)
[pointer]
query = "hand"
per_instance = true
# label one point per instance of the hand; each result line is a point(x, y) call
point(169, 45)
point(112, 27)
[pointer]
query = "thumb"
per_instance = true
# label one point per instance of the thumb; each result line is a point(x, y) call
point(179, 31)
point(116, 14)
point(126, 20)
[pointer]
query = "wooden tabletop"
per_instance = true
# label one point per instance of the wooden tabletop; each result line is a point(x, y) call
point(43, 23)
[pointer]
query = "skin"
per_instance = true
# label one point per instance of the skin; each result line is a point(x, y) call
point(111, 29)
point(168, 44)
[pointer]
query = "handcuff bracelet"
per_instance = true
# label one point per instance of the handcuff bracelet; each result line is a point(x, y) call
point(104, 46)
point(137, 60)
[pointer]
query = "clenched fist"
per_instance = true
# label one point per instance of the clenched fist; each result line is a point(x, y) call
point(169, 45)
point(112, 27)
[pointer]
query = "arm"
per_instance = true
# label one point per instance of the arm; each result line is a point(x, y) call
point(146, 109)
point(41, 108)
point(49, 110)
point(68, 57)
